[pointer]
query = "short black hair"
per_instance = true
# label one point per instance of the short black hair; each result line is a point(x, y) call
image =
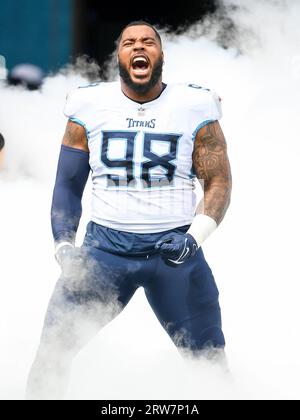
point(141, 23)
point(2, 142)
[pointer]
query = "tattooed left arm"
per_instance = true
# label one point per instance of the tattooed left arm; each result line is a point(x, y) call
point(211, 164)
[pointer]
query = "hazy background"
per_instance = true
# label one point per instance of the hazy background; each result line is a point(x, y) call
point(253, 254)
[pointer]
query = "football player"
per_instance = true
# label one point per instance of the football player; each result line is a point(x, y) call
point(146, 145)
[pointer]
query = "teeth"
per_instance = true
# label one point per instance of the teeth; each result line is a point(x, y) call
point(140, 59)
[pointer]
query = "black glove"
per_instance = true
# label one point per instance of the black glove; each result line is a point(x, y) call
point(176, 248)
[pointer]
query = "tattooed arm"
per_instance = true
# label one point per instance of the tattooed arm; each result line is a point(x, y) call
point(211, 164)
point(210, 161)
point(75, 136)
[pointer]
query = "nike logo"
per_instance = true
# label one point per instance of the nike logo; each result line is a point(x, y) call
point(184, 253)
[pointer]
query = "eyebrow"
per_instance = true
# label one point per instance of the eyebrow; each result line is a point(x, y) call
point(147, 38)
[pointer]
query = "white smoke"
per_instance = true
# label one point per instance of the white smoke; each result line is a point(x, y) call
point(253, 254)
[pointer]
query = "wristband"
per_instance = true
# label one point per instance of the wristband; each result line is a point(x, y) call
point(60, 245)
point(201, 227)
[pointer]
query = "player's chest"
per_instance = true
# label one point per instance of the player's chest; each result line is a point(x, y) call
point(153, 140)
point(138, 130)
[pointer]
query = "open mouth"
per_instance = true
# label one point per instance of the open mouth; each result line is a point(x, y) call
point(140, 65)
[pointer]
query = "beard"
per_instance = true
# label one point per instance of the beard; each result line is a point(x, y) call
point(142, 87)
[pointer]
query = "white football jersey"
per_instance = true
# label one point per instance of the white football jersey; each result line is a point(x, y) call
point(141, 155)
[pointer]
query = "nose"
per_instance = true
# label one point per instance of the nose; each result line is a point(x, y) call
point(138, 46)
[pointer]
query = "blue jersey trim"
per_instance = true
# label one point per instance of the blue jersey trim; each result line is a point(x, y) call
point(79, 122)
point(200, 126)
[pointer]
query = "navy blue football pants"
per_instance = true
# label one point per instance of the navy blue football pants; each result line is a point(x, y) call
point(184, 299)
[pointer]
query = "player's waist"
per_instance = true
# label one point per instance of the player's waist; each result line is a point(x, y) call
point(124, 243)
point(151, 206)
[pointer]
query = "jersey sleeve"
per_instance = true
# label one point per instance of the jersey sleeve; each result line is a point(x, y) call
point(76, 108)
point(205, 110)
point(214, 108)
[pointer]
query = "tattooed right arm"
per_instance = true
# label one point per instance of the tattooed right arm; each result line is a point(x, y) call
point(75, 136)
point(212, 165)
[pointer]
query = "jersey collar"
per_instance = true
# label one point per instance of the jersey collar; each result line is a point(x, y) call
point(142, 104)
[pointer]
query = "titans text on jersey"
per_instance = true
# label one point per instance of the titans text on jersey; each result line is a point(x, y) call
point(136, 124)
